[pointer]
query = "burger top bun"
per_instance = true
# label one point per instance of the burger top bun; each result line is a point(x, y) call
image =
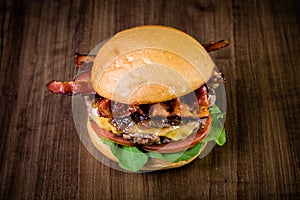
point(150, 64)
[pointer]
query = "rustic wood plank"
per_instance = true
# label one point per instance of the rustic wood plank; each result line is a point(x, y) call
point(41, 155)
point(264, 146)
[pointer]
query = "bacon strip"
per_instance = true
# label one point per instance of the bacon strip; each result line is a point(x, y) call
point(202, 96)
point(165, 109)
point(104, 108)
point(84, 77)
point(80, 58)
point(70, 88)
point(213, 46)
point(81, 85)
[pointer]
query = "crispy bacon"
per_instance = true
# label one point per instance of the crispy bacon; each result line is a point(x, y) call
point(213, 46)
point(81, 85)
point(164, 109)
point(83, 58)
point(84, 77)
point(104, 108)
point(171, 108)
point(202, 96)
point(70, 88)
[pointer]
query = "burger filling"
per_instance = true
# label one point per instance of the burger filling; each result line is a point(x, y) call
point(158, 123)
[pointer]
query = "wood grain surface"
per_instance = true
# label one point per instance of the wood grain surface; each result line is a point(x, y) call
point(41, 154)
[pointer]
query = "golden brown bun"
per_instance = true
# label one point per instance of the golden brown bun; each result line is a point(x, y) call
point(150, 64)
point(152, 164)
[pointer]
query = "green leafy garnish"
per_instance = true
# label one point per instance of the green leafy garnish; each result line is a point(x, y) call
point(178, 156)
point(130, 158)
point(216, 112)
point(222, 138)
point(217, 131)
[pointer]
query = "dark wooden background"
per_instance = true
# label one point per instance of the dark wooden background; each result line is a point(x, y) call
point(41, 155)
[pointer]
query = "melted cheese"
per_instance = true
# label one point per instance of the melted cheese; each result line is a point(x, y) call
point(103, 123)
point(182, 131)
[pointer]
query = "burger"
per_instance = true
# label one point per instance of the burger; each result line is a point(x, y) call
point(150, 96)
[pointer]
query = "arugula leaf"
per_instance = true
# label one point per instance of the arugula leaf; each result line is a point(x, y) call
point(217, 131)
point(222, 138)
point(130, 158)
point(113, 146)
point(216, 112)
point(178, 156)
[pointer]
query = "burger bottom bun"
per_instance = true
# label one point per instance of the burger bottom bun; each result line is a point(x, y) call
point(151, 165)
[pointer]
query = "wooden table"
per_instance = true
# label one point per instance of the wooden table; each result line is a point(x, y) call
point(41, 155)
